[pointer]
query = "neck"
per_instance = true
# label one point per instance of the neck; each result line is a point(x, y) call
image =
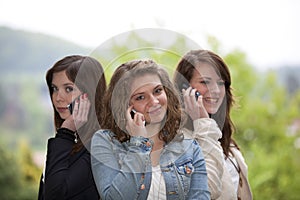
point(153, 134)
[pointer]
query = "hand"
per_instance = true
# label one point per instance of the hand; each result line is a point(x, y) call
point(135, 126)
point(194, 108)
point(80, 114)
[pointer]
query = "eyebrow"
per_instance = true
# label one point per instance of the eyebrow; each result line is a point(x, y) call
point(205, 77)
point(158, 86)
point(65, 84)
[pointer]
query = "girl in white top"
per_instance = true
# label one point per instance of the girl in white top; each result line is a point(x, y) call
point(209, 112)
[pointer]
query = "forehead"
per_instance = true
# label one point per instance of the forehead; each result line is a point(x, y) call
point(60, 78)
point(205, 70)
point(147, 80)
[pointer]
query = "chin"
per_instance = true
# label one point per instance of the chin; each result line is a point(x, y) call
point(211, 111)
point(64, 116)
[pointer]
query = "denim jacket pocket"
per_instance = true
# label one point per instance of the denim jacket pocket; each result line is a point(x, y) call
point(185, 169)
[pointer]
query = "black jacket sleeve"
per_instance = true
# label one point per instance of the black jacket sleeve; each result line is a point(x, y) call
point(67, 175)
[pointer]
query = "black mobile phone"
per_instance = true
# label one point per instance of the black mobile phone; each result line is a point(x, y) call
point(186, 86)
point(132, 113)
point(71, 105)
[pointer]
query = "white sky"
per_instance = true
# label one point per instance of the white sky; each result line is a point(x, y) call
point(267, 30)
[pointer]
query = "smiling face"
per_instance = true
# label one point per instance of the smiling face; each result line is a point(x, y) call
point(149, 98)
point(64, 91)
point(210, 85)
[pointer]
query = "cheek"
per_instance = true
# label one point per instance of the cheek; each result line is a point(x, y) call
point(163, 99)
point(139, 107)
point(223, 92)
point(200, 88)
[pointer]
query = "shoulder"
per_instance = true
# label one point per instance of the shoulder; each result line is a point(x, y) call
point(102, 136)
point(186, 145)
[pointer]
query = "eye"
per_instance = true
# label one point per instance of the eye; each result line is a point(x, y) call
point(205, 82)
point(54, 88)
point(158, 90)
point(69, 89)
point(221, 83)
point(139, 98)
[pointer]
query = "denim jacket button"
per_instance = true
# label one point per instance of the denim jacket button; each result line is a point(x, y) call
point(148, 144)
point(188, 170)
point(142, 186)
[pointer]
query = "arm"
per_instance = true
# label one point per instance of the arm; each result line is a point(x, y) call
point(198, 187)
point(118, 170)
point(207, 133)
point(61, 176)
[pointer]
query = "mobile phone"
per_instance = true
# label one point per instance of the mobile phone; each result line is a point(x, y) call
point(132, 113)
point(71, 105)
point(186, 86)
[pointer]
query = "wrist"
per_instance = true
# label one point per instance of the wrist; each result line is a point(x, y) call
point(73, 135)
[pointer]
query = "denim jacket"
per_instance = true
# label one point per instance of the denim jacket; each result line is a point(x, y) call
point(123, 170)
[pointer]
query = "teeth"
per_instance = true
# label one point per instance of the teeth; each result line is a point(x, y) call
point(212, 100)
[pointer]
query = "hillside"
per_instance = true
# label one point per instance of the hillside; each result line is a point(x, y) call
point(22, 51)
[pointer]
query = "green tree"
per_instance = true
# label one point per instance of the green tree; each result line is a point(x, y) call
point(262, 115)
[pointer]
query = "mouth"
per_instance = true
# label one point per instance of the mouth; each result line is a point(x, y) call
point(211, 100)
point(62, 109)
point(154, 111)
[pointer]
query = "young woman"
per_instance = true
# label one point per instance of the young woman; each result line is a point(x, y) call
point(140, 154)
point(68, 173)
point(208, 74)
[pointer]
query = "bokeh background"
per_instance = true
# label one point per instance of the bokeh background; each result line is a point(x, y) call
point(258, 40)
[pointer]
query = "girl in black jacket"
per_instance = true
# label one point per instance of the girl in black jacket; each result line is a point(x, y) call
point(76, 85)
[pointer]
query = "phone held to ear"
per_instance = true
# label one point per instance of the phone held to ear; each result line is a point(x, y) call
point(132, 113)
point(186, 86)
point(71, 105)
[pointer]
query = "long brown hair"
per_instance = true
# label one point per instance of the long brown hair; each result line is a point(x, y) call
point(116, 100)
point(88, 75)
point(184, 72)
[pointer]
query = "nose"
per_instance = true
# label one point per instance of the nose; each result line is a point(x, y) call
point(153, 100)
point(58, 96)
point(214, 88)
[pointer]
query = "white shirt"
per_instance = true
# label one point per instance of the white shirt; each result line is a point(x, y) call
point(233, 167)
point(158, 185)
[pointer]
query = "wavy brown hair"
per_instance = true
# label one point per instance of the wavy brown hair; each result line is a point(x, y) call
point(184, 73)
point(88, 75)
point(116, 100)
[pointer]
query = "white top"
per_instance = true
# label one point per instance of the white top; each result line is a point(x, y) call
point(233, 168)
point(158, 185)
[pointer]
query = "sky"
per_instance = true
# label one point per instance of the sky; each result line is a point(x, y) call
point(266, 30)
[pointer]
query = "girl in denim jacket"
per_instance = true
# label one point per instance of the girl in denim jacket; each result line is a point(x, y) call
point(139, 153)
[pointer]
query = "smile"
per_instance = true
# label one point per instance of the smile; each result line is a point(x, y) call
point(211, 100)
point(154, 111)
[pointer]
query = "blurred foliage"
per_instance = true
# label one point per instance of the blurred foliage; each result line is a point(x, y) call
point(263, 115)
point(19, 177)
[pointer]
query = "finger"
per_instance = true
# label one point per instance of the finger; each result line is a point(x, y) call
point(75, 109)
point(85, 106)
point(193, 95)
point(139, 119)
point(186, 97)
point(203, 111)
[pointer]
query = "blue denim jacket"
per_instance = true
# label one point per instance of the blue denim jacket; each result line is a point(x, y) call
point(123, 170)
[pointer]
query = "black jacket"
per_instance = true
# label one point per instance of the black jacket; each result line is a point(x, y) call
point(67, 176)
